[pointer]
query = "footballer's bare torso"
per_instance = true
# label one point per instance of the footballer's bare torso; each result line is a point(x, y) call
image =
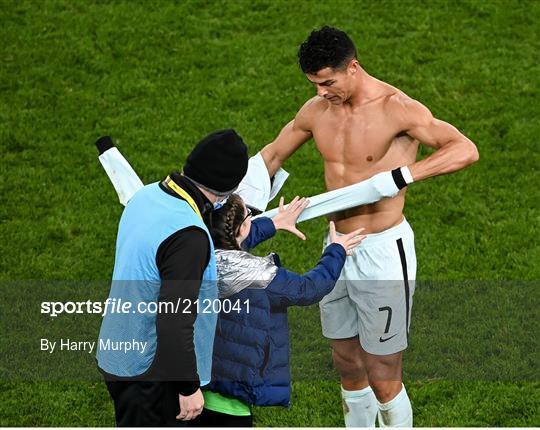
point(355, 144)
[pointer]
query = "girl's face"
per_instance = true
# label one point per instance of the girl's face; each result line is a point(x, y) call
point(245, 227)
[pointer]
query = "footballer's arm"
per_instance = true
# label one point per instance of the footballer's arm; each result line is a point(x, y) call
point(454, 150)
point(290, 138)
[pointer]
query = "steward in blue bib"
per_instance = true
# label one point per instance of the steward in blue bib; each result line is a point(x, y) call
point(164, 255)
point(156, 341)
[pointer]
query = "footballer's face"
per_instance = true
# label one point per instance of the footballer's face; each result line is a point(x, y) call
point(335, 85)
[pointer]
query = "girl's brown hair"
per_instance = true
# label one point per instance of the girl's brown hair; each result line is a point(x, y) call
point(226, 222)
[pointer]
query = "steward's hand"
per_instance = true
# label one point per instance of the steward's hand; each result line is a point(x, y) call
point(190, 406)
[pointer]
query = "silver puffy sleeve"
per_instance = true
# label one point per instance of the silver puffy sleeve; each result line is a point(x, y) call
point(238, 270)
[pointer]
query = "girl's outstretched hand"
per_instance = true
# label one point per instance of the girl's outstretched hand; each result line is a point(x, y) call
point(347, 241)
point(287, 216)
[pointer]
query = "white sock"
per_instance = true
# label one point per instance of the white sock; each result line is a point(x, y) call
point(359, 407)
point(397, 412)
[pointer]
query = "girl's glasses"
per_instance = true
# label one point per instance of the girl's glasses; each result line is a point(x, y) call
point(249, 213)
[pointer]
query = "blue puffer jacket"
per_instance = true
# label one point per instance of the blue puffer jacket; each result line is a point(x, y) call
point(251, 348)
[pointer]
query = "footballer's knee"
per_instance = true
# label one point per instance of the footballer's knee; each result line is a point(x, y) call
point(385, 390)
point(384, 374)
point(350, 368)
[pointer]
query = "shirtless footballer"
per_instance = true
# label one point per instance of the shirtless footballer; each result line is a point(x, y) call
point(362, 127)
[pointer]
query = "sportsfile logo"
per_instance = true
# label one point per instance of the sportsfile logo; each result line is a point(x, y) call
point(119, 306)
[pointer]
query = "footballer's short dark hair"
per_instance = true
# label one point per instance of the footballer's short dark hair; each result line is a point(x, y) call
point(327, 47)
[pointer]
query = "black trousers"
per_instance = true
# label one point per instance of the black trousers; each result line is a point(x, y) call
point(210, 418)
point(145, 404)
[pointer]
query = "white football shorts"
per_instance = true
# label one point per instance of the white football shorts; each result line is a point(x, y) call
point(374, 294)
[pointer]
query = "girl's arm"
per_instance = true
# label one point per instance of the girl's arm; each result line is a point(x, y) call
point(289, 288)
point(262, 229)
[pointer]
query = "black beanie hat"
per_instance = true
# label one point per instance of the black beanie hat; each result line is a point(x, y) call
point(218, 162)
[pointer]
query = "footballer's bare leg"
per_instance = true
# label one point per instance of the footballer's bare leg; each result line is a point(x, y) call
point(370, 386)
point(360, 406)
point(385, 375)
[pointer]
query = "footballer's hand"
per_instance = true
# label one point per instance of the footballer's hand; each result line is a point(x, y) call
point(190, 406)
point(287, 216)
point(348, 241)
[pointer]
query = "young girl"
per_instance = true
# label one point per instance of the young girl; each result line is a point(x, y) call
point(251, 348)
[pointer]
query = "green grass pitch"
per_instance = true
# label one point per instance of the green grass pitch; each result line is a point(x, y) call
point(159, 75)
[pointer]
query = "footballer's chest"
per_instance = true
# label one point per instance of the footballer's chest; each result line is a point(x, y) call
point(363, 137)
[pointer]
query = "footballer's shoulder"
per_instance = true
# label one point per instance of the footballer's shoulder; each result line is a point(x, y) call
point(312, 109)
